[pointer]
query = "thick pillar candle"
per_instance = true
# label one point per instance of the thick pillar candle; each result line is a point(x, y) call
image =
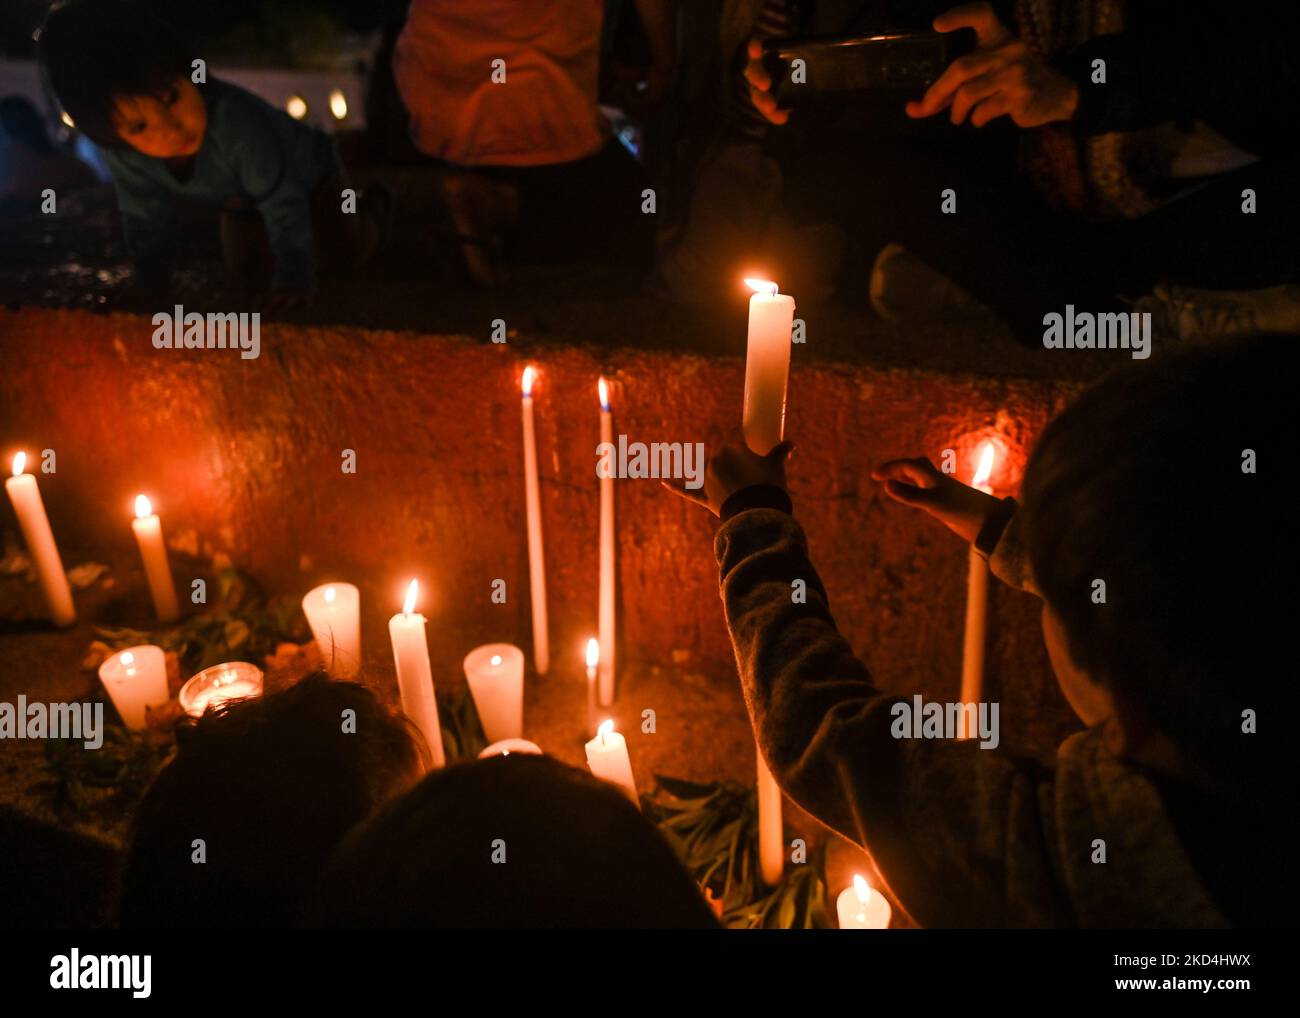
point(767, 365)
point(35, 525)
point(414, 673)
point(533, 509)
point(135, 680)
point(977, 597)
point(607, 757)
point(862, 907)
point(605, 620)
point(495, 673)
point(333, 611)
point(153, 552)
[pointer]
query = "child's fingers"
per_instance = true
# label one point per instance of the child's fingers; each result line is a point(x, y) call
point(911, 495)
point(917, 471)
point(697, 496)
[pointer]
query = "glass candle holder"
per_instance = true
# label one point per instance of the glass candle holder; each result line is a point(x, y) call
point(220, 684)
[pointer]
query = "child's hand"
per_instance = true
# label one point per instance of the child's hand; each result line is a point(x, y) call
point(280, 301)
point(916, 482)
point(760, 85)
point(732, 468)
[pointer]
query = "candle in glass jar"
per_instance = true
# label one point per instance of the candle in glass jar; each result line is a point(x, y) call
point(533, 510)
point(605, 619)
point(219, 685)
point(495, 673)
point(135, 680)
point(507, 746)
point(415, 674)
point(25, 495)
point(333, 611)
point(862, 907)
point(767, 365)
point(607, 757)
point(153, 551)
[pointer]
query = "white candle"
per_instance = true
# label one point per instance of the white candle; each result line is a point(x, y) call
point(414, 673)
point(605, 620)
point(977, 596)
point(861, 907)
point(507, 746)
point(495, 673)
point(533, 507)
point(153, 551)
point(767, 365)
point(607, 757)
point(136, 679)
point(593, 662)
point(219, 685)
point(333, 611)
point(35, 525)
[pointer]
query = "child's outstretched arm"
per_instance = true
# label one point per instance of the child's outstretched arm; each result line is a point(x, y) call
point(961, 833)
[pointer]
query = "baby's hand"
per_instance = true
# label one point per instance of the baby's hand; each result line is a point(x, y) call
point(916, 482)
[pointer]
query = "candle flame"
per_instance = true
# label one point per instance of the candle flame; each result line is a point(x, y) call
point(338, 104)
point(985, 468)
point(530, 375)
point(495, 660)
point(602, 389)
point(605, 730)
point(412, 592)
point(861, 888)
point(127, 658)
point(143, 507)
point(330, 594)
point(593, 655)
point(20, 463)
point(762, 286)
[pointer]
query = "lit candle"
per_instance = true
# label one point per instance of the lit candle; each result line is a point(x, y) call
point(977, 598)
point(767, 365)
point(495, 673)
point(771, 851)
point(605, 621)
point(593, 662)
point(219, 685)
point(148, 534)
point(861, 907)
point(35, 525)
point(333, 611)
point(135, 679)
point(533, 507)
point(414, 673)
point(608, 760)
point(507, 746)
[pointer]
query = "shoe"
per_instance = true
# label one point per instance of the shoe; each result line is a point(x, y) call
point(904, 288)
point(1201, 316)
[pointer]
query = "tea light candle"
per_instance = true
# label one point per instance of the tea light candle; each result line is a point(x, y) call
point(605, 619)
point(593, 663)
point(607, 757)
point(136, 679)
point(148, 534)
point(507, 746)
point(219, 685)
point(25, 495)
point(767, 365)
point(495, 673)
point(977, 598)
point(414, 673)
point(861, 907)
point(333, 611)
point(533, 509)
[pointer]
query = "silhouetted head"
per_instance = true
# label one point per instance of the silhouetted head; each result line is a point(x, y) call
point(520, 841)
point(269, 787)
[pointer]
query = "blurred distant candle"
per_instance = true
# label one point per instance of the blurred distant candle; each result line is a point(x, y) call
point(148, 534)
point(219, 685)
point(414, 673)
point(593, 662)
point(35, 525)
point(507, 746)
point(977, 598)
point(767, 365)
point(333, 611)
point(861, 907)
point(605, 621)
point(136, 679)
point(533, 506)
point(495, 673)
point(607, 757)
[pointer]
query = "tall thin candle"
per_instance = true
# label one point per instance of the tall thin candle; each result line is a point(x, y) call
point(414, 673)
point(605, 621)
point(533, 508)
point(35, 525)
point(593, 661)
point(977, 597)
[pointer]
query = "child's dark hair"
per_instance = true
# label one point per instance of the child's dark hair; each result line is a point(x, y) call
point(1168, 482)
point(95, 50)
point(577, 854)
point(271, 787)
